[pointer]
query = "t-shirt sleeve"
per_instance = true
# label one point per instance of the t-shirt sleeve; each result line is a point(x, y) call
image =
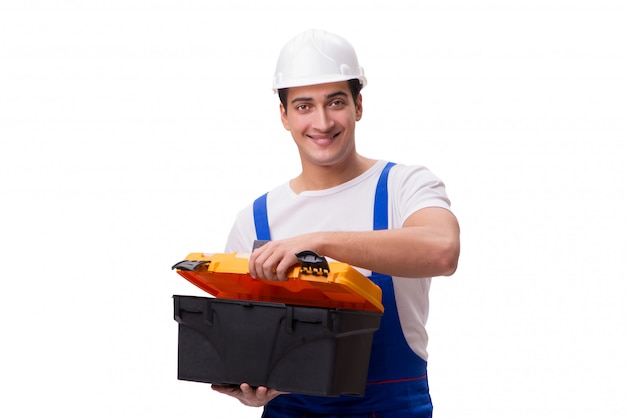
point(413, 188)
point(242, 234)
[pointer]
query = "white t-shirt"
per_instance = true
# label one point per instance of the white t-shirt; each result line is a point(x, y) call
point(350, 207)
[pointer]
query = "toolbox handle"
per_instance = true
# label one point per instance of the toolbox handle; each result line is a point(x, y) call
point(312, 263)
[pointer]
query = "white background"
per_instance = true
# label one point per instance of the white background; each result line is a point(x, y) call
point(131, 132)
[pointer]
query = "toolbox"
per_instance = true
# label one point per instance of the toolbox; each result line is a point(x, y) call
point(311, 334)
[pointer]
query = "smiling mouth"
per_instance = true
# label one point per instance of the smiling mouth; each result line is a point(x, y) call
point(324, 139)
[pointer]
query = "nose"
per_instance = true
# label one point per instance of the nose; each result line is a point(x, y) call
point(323, 121)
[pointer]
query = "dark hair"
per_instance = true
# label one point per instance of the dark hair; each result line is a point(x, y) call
point(354, 85)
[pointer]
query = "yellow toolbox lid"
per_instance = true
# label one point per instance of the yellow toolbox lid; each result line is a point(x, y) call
point(327, 285)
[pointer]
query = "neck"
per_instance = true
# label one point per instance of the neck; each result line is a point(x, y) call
point(317, 177)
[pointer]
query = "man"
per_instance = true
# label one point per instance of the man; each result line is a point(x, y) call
point(392, 222)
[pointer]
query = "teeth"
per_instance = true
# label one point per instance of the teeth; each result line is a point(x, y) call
point(323, 137)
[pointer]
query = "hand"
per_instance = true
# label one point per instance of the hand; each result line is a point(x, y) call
point(274, 260)
point(248, 395)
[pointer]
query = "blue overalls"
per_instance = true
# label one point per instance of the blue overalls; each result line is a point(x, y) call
point(397, 383)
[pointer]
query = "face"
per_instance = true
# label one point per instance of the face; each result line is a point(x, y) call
point(322, 120)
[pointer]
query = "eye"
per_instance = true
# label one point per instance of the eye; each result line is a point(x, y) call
point(337, 104)
point(302, 107)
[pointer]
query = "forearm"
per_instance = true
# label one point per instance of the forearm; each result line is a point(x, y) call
point(407, 252)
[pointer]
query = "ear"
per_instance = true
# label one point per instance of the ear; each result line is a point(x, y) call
point(359, 107)
point(283, 117)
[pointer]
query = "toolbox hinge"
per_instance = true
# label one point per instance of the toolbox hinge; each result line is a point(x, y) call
point(192, 265)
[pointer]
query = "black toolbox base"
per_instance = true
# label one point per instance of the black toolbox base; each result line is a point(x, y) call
point(306, 350)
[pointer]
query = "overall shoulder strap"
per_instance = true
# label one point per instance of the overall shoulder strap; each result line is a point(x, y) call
point(261, 224)
point(381, 199)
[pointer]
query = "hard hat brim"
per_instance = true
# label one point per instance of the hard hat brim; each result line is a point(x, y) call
point(317, 79)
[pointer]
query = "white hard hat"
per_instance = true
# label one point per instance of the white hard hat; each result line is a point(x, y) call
point(316, 57)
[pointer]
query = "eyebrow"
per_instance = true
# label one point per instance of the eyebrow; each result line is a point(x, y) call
point(329, 96)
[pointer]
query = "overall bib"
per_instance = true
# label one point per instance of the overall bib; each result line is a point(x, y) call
point(397, 383)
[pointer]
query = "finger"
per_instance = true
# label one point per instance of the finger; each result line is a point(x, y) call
point(257, 260)
point(269, 268)
point(228, 390)
point(265, 265)
point(246, 390)
point(261, 392)
point(286, 265)
point(282, 269)
point(253, 397)
point(252, 262)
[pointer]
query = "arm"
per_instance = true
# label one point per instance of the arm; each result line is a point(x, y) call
point(427, 245)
